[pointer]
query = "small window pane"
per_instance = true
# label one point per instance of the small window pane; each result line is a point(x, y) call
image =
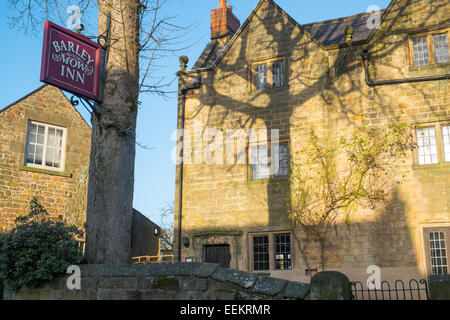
point(277, 74)
point(59, 136)
point(426, 142)
point(420, 48)
point(441, 48)
point(38, 155)
point(49, 157)
point(40, 139)
point(261, 77)
point(33, 129)
point(446, 140)
point(41, 129)
point(51, 137)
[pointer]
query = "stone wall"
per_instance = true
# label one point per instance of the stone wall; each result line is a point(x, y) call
point(165, 281)
point(196, 281)
point(63, 194)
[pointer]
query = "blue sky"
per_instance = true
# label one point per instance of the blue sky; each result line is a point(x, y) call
point(20, 58)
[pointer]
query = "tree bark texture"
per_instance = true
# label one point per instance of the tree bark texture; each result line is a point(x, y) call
point(111, 172)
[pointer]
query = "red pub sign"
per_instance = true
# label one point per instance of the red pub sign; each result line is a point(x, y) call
point(71, 62)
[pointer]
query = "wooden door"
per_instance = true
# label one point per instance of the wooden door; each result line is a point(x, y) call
point(218, 254)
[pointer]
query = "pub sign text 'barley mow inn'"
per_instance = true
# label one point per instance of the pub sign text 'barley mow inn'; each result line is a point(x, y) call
point(71, 62)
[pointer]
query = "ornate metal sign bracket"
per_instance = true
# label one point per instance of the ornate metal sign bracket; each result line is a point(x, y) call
point(92, 109)
point(92, 106)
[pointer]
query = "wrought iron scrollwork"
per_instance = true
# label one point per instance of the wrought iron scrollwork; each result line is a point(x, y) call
point(88, 105)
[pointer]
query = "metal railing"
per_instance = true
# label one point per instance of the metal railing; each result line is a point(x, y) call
point(416, 290)
point(152, 259)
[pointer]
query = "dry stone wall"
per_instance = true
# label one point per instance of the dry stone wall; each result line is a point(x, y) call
point(165, 281)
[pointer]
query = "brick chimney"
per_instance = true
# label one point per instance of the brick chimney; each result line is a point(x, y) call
point(223, 21)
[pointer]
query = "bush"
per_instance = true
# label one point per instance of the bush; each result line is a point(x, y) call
point(36, 249)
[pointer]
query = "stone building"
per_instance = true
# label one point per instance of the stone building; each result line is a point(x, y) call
point(275, 73)
point(44, 152)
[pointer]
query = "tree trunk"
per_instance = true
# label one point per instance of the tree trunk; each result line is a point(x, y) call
point(322, 255)
point(302, 250)
point(113, 148)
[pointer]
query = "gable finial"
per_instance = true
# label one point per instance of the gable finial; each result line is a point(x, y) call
point(183, 64)
point(348, 32)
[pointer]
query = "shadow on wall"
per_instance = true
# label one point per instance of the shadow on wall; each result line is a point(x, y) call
point(332, 94)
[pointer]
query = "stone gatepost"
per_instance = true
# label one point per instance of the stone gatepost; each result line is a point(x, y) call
point(439, 286)
point(330, 285)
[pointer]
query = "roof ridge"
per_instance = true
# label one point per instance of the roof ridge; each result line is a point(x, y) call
point(332, 39)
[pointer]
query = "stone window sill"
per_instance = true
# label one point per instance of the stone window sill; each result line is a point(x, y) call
point(268, 180)
point(435, 166)
point(432, 66)
point(45, 171)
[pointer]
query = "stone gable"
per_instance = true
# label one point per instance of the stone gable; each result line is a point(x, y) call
point(64, 193)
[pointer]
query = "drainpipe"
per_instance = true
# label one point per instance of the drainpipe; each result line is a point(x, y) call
point(371, 83)
point(195, 85)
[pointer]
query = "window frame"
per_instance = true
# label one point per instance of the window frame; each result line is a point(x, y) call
point(446, 125)
point(418, 147)
point(428, 51)
point(430, 47)
point(269, 77)
point(439, 144)
point(275, 250)
point(426, 245)
point(282, 74)
point(266, 84)
point(252, 255)
point(433, 36)
point(43, 166)
point(272, 256)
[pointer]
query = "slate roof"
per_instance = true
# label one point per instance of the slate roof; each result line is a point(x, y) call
point(328, 33)
point(209, 55)
point(331, 32)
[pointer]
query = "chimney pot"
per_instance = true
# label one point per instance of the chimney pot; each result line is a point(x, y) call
point(223, 3)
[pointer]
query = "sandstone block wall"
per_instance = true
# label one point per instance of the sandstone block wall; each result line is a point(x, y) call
point(324, 90)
